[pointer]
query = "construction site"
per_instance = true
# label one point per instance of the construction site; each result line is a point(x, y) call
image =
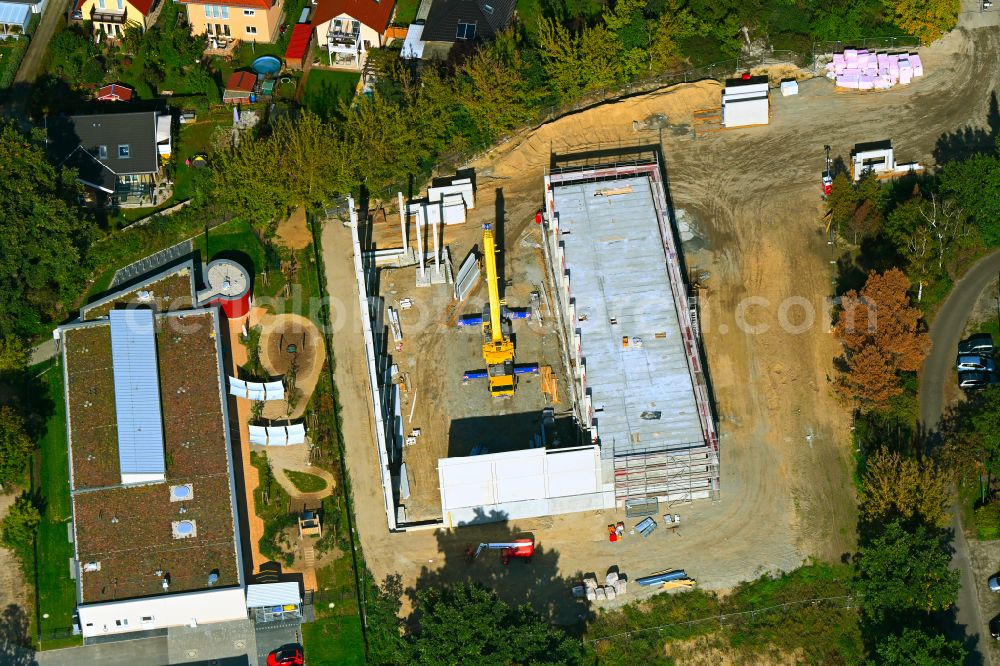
point(758, 248)
point(603, 404)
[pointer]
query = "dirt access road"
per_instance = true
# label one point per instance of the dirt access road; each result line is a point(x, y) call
point(752, 196)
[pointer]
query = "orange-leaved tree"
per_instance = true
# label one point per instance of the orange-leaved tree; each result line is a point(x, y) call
point(881, 334)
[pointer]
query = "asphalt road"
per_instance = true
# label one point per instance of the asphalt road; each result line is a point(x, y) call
point(945, 333)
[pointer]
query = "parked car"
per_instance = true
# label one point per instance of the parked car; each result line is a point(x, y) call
point(994, 583)
point(971, 380)
point(980, 343)
point(995, 627)
point(976, 362)
point(286, 655)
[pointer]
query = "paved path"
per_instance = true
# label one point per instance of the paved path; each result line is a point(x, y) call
point(945, 333)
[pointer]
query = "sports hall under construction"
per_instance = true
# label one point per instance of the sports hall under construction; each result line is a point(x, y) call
point(593, 394)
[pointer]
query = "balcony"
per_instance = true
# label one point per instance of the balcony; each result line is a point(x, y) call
point(342, 41)
point(105, 16)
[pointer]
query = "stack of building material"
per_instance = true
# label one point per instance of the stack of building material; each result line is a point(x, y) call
point(860, 70)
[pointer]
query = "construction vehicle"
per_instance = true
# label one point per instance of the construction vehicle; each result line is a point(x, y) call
point(519, 548)
point(828, 174)
point(498, 348)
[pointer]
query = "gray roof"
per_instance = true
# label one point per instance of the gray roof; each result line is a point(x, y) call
point(77, 141)
point(643, 396)
point(489, 16)
point(137, 392)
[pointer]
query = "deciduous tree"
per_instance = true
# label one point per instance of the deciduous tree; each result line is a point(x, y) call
point(895, 487)
point(881, 336)
point(17, 530)
point(918, 647)
point(902, 573)
point(469, 624)
point(926, 19)
point(494, 89)
point(42, 236)
point(15, 445)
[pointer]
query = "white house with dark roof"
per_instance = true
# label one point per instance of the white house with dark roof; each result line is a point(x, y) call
point(118, 154)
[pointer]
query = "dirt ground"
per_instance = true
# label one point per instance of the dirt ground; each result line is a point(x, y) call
point(454, 415)
point(13, 587)
point(751, 198)
point(277, 333)
point(294, 233)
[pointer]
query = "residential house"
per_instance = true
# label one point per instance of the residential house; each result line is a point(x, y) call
point(118, 154)
point(15, 17)
point(246, 20)
point(453, 21)
point(112, 16)
point(348, 29)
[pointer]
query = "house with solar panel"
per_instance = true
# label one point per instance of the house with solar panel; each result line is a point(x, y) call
point(156, 522)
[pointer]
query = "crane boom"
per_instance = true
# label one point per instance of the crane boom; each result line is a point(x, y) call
point(492, 283)
point(498, 349)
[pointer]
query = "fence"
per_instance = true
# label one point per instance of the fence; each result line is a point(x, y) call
point(846, 602)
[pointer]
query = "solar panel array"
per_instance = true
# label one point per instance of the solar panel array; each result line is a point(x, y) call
point(137, 393)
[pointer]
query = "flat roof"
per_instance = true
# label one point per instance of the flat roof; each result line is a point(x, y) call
point(642, 392)
point(129, 537)
point(137, 393)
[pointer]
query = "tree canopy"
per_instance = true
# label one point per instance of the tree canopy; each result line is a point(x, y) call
point(897, 487)
point(919, 647)
point(42, 234)
point(881, 336)
point(469, 624)
point(904, 572)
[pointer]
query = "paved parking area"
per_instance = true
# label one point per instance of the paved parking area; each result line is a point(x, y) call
point(273, 635)
point(221, 640)
point(142, 652)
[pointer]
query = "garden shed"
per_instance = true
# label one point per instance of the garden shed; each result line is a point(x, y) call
point(240, 88)
point(297, 53)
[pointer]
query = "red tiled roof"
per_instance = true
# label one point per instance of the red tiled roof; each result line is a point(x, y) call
point(243, 81)
point(298, 43)
point(373, 14)
point(142, 6)
point(252, 4)
point(114, 92)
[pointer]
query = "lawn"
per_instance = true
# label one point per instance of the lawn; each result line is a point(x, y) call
point(325, 90)
point(56, 590)
point(306, 483)
point(336, 634)
point(406, 11)
point(271, 504)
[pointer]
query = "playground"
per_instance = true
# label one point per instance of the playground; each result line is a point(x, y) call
point(291, 347)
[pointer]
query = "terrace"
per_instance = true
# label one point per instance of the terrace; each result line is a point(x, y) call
point(173, 291)
point(130, 530)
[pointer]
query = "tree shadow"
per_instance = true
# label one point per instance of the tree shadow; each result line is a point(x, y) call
point(968, 141)
point(536, 582)
point(15, 640)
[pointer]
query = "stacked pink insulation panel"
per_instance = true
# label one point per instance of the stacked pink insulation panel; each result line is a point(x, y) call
point(860, 70)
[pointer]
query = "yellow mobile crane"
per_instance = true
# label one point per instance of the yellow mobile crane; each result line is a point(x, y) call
point(498, 348)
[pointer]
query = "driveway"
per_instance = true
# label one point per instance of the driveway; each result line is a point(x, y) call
point(945, 333)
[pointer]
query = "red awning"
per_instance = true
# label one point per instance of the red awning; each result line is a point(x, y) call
point(298, 44)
